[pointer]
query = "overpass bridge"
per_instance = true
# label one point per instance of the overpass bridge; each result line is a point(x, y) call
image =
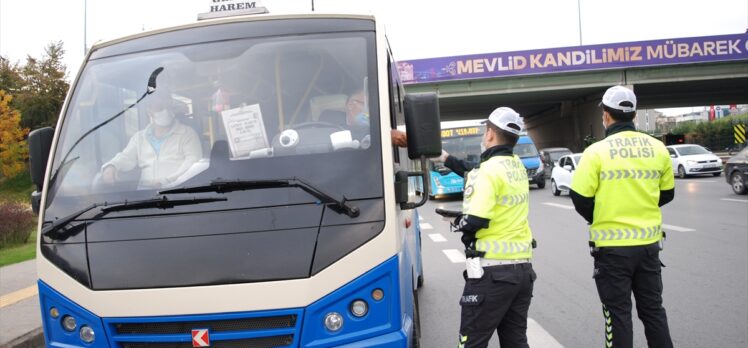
point(558, 90)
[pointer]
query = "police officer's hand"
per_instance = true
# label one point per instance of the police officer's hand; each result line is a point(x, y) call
point(467, 240)
point(458, 223)
point(443, 157)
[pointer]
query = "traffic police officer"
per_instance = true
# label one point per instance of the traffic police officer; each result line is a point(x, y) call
point(619, 187)
point(499, 277)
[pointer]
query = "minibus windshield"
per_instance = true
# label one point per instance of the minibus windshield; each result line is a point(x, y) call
point(242, 109)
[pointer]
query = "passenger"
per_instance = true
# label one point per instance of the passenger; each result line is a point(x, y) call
point(162, 151)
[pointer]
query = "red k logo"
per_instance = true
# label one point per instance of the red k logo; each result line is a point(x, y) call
point(200, 338)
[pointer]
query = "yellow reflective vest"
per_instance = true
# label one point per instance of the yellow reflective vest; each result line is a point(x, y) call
point(625, 173)
point(498, 191)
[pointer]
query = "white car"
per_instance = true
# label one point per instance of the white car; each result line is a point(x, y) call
point(693, 159)
point(562, 173)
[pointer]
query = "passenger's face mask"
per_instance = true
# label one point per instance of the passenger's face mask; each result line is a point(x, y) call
point(163, 118)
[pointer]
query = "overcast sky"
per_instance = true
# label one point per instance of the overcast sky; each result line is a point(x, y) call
point(415, 28)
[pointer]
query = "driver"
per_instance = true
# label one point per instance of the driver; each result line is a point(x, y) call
point(357, 118)
point(162, 151)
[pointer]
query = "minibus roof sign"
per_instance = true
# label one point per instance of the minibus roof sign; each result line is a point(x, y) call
point(228, 8)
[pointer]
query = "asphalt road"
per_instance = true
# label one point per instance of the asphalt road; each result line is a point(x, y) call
point(705, 281)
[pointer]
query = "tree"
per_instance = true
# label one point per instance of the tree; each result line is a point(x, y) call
point(13, 148)
point(43, 88)
point(10, 76)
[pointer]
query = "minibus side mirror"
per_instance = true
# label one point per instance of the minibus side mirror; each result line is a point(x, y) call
point(422, 123)
point(40, 141)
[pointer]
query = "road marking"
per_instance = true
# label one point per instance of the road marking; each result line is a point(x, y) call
point(426, 226)
point(18, 296)
point(735, 200)
point(454, 255)
point(437, 238)
point(564, 206)
point(538, 337)
point(677, 228)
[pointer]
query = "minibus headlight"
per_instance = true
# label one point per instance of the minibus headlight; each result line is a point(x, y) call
point(333, 321)
point(359, 308)
point(87, 334)
point(68, 323)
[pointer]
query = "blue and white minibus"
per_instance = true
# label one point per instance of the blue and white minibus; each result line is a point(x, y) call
point(205, 186)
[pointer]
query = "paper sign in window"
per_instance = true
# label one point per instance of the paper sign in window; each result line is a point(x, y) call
point(245, 130)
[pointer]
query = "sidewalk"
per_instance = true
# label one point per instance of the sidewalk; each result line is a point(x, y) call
point(20, 319)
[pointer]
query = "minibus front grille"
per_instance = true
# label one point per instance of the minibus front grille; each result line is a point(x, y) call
point(262, 342)
point(256, 329)
point(161, 328)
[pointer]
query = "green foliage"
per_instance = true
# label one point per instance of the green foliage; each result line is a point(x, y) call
point(16, 189)
point(19, 253)
point(716, 135)
point(41, 99)
point(10, 76)
point(39, 87)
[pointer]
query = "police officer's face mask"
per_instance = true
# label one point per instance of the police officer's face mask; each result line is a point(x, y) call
point(483, 142)
point(605, 126)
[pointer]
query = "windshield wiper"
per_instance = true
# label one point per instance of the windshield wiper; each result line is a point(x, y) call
point(162, 202)
point(340, 206)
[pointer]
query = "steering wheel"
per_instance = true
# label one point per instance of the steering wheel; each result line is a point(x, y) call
point(316, 123)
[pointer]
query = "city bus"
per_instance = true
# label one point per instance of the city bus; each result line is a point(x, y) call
point(460, 139)
point(204, 187)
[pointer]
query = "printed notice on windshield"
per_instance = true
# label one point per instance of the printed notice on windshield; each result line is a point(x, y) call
point(245, 130)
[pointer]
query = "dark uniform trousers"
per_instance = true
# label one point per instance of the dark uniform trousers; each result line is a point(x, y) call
point(497, 301)
point(618, 272)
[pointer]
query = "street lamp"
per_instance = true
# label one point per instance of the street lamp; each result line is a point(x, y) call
point(85, 17)
point(579, 18)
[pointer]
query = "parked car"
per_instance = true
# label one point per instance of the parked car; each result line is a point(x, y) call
point(562, 174)
point(528, 153)
point(693, 159)
point(736, 171)
point(550, 157)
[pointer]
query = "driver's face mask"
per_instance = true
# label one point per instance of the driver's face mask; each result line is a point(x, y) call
point(163, 118)
point(362, 119)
